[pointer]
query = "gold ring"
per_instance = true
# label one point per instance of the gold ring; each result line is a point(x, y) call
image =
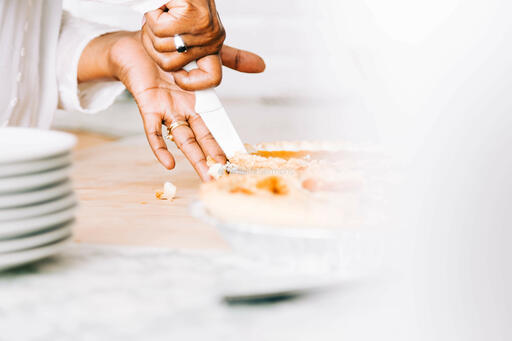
point(177, 124)
point(173, 126)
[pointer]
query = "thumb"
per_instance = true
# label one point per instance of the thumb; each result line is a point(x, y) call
point(207, 75)
point(242, 61)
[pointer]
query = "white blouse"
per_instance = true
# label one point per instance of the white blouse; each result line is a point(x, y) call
point(40, 47)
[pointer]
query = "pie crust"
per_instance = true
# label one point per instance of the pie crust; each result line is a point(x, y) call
point(299, 184)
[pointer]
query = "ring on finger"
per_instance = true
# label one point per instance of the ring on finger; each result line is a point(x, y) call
point(173, 126)
point(180, 44)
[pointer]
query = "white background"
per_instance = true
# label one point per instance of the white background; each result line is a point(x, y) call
point(430, 81)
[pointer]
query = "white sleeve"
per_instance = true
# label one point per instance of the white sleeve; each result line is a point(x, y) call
point(93, 96)
point(141, 6)
point(88, 97)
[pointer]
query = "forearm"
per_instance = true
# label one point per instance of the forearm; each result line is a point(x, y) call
point(96, 62)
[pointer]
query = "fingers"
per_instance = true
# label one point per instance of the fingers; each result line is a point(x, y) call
point(174, 61)
point(153, 128)
point(182, 17)
point(240, 60)
point(206, 140)
point(186, 141)
point(207, 75)
point(196, 21)
point(166, 43)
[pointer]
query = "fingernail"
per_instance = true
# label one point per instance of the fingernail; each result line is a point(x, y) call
point(143, 20)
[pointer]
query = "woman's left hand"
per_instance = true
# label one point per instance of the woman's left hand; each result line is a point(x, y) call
point(161, 101)
point(120, 55)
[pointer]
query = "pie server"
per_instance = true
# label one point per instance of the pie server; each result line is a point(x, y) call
point(211, 110)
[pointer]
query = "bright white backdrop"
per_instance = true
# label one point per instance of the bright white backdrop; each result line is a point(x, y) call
point(430, 80)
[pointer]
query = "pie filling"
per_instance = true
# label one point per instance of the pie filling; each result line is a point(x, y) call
point(284, 187)
point(300, 154)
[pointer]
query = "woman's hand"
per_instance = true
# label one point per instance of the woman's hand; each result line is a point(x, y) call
point(198, 24)
point(121, 56)
point(196, 21)
point(160, 101)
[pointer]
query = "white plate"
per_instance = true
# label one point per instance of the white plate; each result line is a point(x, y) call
point(22, 213)
point(23, 144)
point(34, 166)
point(12, 229)
point(37, 196)
point(31, 181)
point(11, 260)
point(34, 240)
point(301, 250)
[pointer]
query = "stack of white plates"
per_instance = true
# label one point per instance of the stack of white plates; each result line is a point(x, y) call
point(37, 204)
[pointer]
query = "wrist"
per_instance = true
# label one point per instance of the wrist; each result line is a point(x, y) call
point(96, 61)
point(117, 52)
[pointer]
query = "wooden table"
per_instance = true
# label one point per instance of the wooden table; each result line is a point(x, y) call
point(116, 184)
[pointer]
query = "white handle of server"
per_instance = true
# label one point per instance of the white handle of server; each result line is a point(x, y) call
point(206, 100)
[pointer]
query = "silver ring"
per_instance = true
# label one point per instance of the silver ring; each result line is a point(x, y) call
point(180, 45)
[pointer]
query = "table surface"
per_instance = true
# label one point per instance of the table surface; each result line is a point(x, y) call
point(116, 182)
point(134, 293)
point(158, 273)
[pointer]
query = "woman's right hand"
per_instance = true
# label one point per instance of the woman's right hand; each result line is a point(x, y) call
point(198, 24)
